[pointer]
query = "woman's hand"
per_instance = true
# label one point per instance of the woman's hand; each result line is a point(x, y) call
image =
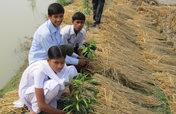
point(42, 105)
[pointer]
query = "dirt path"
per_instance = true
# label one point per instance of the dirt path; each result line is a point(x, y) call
point(167, 2)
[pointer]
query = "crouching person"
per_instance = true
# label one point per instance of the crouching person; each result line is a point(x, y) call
point(43, 82)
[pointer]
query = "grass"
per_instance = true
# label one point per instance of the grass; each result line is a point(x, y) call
point(65, 2)
point(164, 108)
point(14, 82)
point(147, 72)
point(154, 29)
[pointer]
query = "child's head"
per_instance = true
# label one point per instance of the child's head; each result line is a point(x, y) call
point(56, 14)
point(78, 16)
point(56, 58)
point(55, 8)
point(78, 20)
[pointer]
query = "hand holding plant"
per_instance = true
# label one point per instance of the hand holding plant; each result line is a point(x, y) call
point(88, 50)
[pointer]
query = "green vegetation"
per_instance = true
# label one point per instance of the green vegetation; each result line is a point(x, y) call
point(85, 9)
point(65, 2)
point(154, 29)
point(88, 50)
point(82, 95)
point(14, 82)
point(164, 108)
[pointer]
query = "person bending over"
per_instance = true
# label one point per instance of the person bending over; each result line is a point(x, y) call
point(43, 82)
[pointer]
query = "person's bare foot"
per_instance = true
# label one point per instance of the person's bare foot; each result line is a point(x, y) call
point(97, 26)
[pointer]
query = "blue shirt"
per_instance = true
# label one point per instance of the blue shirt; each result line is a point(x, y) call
point(46, 36)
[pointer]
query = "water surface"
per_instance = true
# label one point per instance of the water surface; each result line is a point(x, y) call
point(19, 19)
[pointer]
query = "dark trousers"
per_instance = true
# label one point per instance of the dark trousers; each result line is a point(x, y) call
point(97, 10)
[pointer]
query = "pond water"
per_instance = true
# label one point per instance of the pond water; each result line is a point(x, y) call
point(19, 19)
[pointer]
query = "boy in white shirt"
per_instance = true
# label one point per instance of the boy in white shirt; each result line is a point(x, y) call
point(75, 34)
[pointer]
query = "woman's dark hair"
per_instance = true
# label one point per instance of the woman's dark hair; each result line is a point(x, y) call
point(78, 16)
point(56, 52)
point(55, 8)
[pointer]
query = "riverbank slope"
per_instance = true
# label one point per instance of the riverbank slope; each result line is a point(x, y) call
point(135, 62)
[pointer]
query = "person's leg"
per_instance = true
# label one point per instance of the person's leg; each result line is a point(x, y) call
point(94, 4)
point(51, 89)
point(69, 49)
point(99, 11)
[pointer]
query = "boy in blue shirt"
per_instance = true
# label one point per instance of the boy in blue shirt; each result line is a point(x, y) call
point(48, 34)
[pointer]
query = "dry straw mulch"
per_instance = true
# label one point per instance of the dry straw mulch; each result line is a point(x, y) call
point(135, 46)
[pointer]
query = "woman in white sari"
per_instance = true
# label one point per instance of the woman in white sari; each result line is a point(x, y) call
point(43, 82)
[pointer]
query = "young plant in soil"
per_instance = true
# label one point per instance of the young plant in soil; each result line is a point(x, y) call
point(88, 50)
point(85, 9)
point(78, 102)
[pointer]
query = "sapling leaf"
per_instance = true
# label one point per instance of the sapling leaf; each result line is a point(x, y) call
point(89, 55)
point(77, 106)
point(91, 80)
point(93, 100)
point(69, 111)
point(84, 109)
point(90, 107)
point(84, 50)
point(84, 54)
point(93, 52)
point(91, 89)
point(80, 8)
point(77, 97)
point(78, 81)
point(85, 102)
point(74, 90)
point(88, 96)
point(88, 11)
point(67, 107)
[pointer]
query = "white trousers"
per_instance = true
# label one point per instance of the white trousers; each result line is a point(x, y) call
point(51, 93)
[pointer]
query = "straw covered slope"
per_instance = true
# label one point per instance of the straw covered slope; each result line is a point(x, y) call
point(135, 57)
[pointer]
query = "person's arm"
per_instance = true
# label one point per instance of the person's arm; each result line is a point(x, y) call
point(65, 35)
point(65, 38)
point(80, 52)
point(75, 61)
point(47, 41)
point(71, 60)
point(43, 106)
point(74, 55)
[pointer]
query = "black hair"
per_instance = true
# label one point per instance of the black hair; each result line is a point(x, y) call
point(56, 52)
point(78, 16)
point(55, 8)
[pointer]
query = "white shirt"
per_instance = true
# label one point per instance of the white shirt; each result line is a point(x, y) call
point(69, 36)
